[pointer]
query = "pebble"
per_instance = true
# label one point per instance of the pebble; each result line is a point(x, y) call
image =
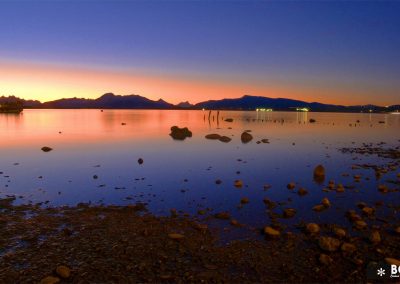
point(50, 280)
point(326, 202)
point(347, 247)
point(375, 237)
point(63, 271)
point(329, 244)
point(238, 183)
point(325, 259)
point(289, 212)
point(244, 200)
point(319, 208)
point(176, 236)
point(302, 192)
point(291, 185)
point(339, 232)
point(312, 228)
point(271, 232)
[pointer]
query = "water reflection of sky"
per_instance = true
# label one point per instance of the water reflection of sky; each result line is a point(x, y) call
point(92, 142)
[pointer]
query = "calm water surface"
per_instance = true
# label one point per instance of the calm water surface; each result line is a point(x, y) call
point(182, 174)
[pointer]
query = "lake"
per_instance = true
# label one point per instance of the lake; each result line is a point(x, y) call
point(95, 159)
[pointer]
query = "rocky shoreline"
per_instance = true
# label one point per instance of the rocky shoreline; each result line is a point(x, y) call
point(126, 244)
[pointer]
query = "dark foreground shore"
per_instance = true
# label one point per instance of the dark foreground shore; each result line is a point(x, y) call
point(128, 245)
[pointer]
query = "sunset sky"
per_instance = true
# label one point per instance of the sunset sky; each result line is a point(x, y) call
point(332, 52)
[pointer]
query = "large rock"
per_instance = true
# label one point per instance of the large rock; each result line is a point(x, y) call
point(246, 137)
point(180, 133)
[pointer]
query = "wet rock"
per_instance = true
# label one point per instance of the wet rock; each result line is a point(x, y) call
point(397, 230)
point(289, 212)
point(348, 248)
point(340, 188)
point(319, 208)
point(213, 136)
point(244, 200)
point(218, 181)
point(312, 228)
point(325, 259)
point(302, 192)
point(223, 215)
point(238, 183)
point(339, 232)
point(246, 137)
point(235, 222)
point(392, 261)
point(267, 186)
point(329, 244)
point(326, 202)
point(46, 149)
point(383, 188)
point(368, 211)
point(360, 224)
point(312, 120)
point(375, 237)
point(50, 280)
point(269, 203)
point(271, 232)
point(140, 161)
point(180, 133)
point(95, 177)
point(176, 236)
point(229, 119)
point(265, 141)
point(319, 174)
point(63, 271)
point(225, 139)
point(291, 185)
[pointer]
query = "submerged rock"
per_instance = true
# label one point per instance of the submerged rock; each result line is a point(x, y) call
point(291, 185)
point(229, 120)
point(246, 137)
point(180, 133)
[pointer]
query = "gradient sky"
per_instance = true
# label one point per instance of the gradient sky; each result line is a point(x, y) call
point(334, 52)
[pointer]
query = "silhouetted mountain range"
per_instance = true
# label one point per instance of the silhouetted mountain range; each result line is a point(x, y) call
point(111, 101)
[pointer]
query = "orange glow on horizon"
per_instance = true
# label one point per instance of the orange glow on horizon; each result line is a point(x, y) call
point(48, 82)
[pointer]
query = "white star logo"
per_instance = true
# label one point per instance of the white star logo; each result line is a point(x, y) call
point(381, 272)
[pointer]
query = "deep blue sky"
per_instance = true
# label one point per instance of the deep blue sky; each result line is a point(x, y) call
point(340, 47)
